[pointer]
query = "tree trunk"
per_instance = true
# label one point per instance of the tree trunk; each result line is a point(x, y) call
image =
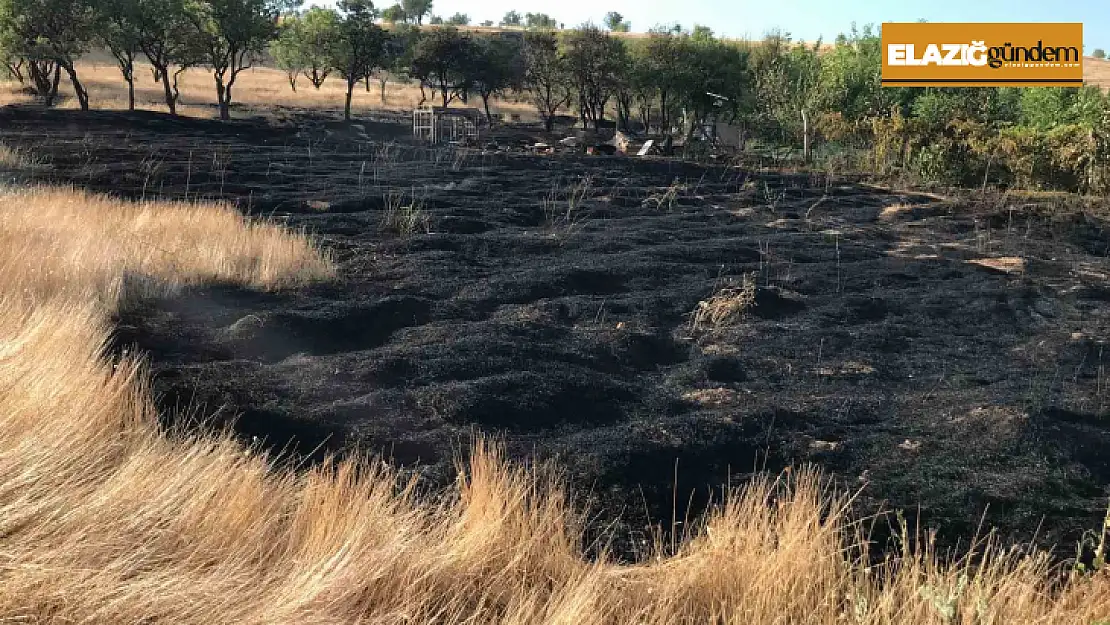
point(171, 98)
point(221, 102)
point(367, 81)
point(292, 76)
point(54, 84)
point(347, 103)
point(382, 80)
point(485, 103)
point(805, 136)
point(78, 89)
point(131, 92)
point(14, 70)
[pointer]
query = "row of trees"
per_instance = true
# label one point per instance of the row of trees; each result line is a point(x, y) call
point(656, 82)
point(39, 39)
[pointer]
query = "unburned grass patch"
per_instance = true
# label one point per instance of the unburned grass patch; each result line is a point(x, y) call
point(728, 304)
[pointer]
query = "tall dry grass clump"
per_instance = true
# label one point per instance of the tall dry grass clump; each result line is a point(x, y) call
point(106, 519)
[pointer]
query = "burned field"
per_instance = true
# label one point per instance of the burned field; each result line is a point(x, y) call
point(633, 319)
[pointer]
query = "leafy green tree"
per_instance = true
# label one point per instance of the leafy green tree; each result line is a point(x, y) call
point(444, 60)
point(359, 46)
point(167, 38)
point(786, 84)
point(663, 67)
point(288, 49)
point(394, 14)
point(487, 23)
point(702, 33)
point(540, 21)
point(1099, 53)
point(638, 85)
point(512, 18)
point(714, 82)
point(497, 67)
point(396, 56)
point(416, 10)
point(305, 45)
point(1046, 108)
point(593, 61)
point(545, 75)
point(50, 35)
point(435, 20)
point(232, 34)
point(851, 77)
point(118, 31)
point(615, 22)
point(459, 19)
point(13, 64)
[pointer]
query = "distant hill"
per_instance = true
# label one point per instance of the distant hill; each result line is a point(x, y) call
point(1097, 72)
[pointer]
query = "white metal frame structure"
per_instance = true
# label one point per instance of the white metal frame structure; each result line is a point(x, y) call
point(436, 124)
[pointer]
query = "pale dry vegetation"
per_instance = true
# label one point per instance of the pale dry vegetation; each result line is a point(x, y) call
point(727, 305)
point(106, 519)
point(257, 92)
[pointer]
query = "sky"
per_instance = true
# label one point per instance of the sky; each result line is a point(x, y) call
point(804, 19)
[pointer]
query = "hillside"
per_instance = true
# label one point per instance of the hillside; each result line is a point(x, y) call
point(1097, 72)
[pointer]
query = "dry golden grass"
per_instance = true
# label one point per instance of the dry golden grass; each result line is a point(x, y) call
point(106, 519)
point(1097, 72)
point(727, 305)
point(257, 91)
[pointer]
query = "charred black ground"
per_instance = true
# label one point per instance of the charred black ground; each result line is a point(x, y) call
point(547, 301)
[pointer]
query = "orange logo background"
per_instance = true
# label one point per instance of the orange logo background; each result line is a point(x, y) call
point(970, 55)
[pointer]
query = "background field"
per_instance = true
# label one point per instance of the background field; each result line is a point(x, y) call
point(265, 91)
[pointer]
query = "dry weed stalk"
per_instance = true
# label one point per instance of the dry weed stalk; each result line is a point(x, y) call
point(404, 217)
point(562, 207)
point(726, 306)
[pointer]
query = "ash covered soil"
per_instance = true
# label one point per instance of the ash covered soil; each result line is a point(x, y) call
point(946, 355)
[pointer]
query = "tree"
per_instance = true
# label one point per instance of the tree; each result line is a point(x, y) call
point(701, 33)
point(288, 50)
point(118, 31)
point(13, 65)
point(443, 59)
point(415, 10)
point(541, 21)
point(512, 18)
point(593, 59)
point(167, 39)
point(435, 20)
point(359, 45)
point(851, 76)
point(496, 68)
point(487, 23)
point(545, 75)
point(394, 14)
point(396, 55)
point(662, 76)
point(1099, 53)
point(459, 19)
point(305, 45)
point(615, 22)
point(232, 34)
point(50, 35)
